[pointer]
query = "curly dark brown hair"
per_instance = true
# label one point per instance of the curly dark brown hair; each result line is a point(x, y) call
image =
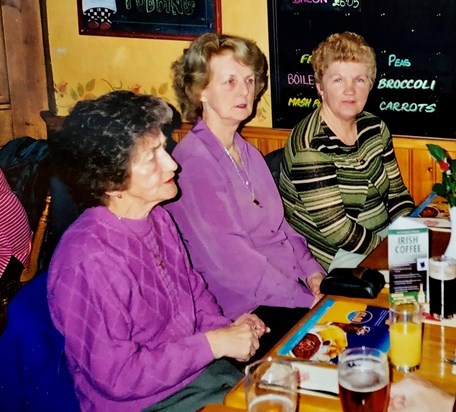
point(343, 47)
point(92, 153)
point(192, 71)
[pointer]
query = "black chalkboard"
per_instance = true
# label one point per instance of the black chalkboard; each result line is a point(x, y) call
point(172, 19)
point(415, 43)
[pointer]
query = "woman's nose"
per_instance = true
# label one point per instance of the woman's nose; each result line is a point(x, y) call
point(169, 162)
point(244, 88)
point(349, 87)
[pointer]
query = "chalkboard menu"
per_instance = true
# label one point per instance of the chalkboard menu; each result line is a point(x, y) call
point(415, 44)
point(169, 19)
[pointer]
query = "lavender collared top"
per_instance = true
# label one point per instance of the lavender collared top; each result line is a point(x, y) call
point(247, 253)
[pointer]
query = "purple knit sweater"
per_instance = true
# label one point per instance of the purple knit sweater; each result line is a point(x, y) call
point(131, 309)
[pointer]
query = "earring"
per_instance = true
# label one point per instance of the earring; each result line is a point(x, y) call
point(119, 196)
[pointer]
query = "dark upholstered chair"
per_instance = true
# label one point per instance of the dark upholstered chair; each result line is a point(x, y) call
point(33, 372)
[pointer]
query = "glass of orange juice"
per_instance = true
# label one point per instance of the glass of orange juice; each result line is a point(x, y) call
point(405, 332)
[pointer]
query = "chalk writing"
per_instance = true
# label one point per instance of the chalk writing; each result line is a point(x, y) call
point(305, 58)
point(408, 107)
point(346, 3)
point(406, 84)
point(395, 62)
point(173, 7)
point(303, 102)
point(301, 79)
point(309, 1)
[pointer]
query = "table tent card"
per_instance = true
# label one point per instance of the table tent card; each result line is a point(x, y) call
point(408, 259)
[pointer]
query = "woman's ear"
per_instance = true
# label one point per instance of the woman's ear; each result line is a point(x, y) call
point(319, 89)
point(114, 193)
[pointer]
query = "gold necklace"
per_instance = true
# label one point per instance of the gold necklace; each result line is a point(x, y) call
point(247, 182)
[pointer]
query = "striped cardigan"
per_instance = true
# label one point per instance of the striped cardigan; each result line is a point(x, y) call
point(339, 196)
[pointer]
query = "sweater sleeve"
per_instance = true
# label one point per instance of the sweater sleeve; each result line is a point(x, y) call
point(87, 308)
point(219, 246)
point(400, 203)
point(313, 177)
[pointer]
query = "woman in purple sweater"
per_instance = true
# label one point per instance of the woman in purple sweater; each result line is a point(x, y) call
point(140, 328)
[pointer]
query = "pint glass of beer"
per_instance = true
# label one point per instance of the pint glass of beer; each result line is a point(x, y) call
point(363, 380)
point(405, 335)
point(271, 385)
point(442, 287)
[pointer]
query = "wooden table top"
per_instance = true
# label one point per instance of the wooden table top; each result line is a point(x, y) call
point(439, 342)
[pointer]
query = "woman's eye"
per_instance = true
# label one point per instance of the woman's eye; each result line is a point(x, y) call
point(251, 81)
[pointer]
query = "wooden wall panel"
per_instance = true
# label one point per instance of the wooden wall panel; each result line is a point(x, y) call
point(26, 66)
point(418, 169)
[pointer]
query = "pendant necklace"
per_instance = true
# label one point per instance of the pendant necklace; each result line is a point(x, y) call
point(154, 250)
point(247, 182)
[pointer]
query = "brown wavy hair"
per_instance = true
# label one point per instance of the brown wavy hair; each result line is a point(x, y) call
point(191, 72)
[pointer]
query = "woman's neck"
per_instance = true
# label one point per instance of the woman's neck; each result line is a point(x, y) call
point(123, 208)
point(223, 131)
point(345, 130)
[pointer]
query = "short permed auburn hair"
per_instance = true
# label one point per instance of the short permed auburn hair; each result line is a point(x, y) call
point(343, 47)
point(192, 71)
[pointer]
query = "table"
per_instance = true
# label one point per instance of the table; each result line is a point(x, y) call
point(439, 342)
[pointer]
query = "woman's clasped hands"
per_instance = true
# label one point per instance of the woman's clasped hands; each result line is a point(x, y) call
point(240, 340)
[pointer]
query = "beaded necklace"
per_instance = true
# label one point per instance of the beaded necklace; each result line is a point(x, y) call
point(247, 181)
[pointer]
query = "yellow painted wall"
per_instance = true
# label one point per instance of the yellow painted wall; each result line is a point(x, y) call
point(87, 66)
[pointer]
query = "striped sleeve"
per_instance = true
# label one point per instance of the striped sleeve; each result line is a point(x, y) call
point(15, 233)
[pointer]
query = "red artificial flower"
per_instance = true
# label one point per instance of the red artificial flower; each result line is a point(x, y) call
point(444, 165)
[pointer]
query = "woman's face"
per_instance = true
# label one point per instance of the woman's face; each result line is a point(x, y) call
point(230, 94)
point(344, 89)
point(152, 172)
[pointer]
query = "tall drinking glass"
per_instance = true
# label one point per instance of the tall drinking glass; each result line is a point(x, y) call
point(271, 386)
point(363, 380)
point(405, 335)
point(442, 287)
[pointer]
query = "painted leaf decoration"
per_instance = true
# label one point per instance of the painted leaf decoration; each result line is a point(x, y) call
point(163, 88)
point(80, 89)
point(90, 85)
point(73, 94)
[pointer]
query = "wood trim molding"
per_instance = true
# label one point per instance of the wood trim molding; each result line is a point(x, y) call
point(268, 139)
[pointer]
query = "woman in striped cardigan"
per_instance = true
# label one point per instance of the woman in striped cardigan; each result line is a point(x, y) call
point(339, 179)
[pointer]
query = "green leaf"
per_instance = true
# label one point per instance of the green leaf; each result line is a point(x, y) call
point(90, 85)
point(453, 167)
point(436, 152)
point(163, 89)
point(439, 189)
point(451, 200)
point(74, 95)
point(80, 90)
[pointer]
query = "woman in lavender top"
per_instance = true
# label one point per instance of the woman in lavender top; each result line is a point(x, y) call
point(229, 210)
point(140, 328)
